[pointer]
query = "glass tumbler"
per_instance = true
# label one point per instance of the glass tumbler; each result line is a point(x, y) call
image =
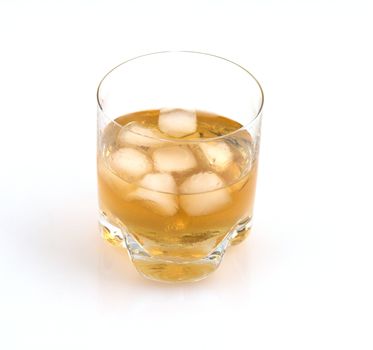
point(177, 155)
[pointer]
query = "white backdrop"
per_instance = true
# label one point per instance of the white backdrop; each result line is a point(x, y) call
point(303, 279)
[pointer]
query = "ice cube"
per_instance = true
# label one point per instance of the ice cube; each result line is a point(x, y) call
point(151, 193)
point(218, 154)
point(113, 181)
point(203, 194)
point(161, 182)
point(174, 159)
point(138, 135)
point(130, 163)
point(232, 173)
point(177, 122)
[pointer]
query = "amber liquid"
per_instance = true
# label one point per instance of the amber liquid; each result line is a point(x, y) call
point(179, 235)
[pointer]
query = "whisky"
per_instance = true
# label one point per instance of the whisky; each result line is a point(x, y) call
point(177, 183)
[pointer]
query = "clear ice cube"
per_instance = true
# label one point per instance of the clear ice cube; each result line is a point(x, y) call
point(152, 196)
point(174, 159)
point(177, 122)
point(203, 194)
point(138, 135)
point(218, 154)
point(130, 163)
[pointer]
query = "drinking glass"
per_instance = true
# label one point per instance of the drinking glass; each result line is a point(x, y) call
point(177, 154)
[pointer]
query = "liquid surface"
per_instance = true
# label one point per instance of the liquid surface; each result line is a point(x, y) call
point(208, 125)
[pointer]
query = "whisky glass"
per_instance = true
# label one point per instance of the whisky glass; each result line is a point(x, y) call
point(177, 158)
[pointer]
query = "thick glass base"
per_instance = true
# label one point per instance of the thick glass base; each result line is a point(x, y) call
point(175, 269)
point(243, 230)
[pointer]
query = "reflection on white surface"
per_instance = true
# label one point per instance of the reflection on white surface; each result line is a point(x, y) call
point(131, 292)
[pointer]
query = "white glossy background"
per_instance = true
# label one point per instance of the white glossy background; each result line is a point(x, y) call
point(303, 280)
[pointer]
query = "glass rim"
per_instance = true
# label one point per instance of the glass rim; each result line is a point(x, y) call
point(172, 140)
